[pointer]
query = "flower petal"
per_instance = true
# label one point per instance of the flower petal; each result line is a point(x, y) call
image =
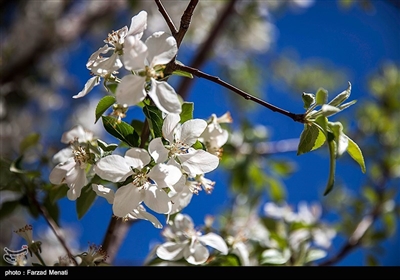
point(130, 90)
point(162, 48)
point(214, 240)
point(171, 121)
point(76, 180)
point(157, 150)
point(198, 162)
point(126, 199)
point(77, 132)
point(141, 213)
point(157, 200)
point(165, 97)
point(191, 131)
point(113, 168)
point(90, 84)
point(102, 191)
point(165, 175)
point(196, 254)
point(138, 24)
point(137, 157)
point(59, 172)
point(170, 251)
point(135, 53)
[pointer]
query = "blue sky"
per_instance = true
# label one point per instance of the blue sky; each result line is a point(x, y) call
point(349, 39)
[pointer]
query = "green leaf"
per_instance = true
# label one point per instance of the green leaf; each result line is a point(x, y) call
point(16, 167)
point(85, 200)
point(8, 207)
point(328, 110)
point(321, 96)
point(112, 87)
point(341, 97)
point(103, 105)
point(187, 111)
point(346, 105)
point(355, 152)
point(57, 192)
point(275, 189)
point(308, 138)
point(182, 74)
point(340, 137)
point(28, 142)
point(121, 130)
point(332, 163)
point(106, 147)
point(308, 99)
point(199, 145)
point(154, 115)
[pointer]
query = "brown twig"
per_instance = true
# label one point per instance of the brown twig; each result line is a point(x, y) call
point(217, 80)
point(53, 225)
point(206, 46)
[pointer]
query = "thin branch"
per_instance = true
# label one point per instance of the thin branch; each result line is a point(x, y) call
point(206, 46)
point(217, 80)
point(167, 18)
point(53, 225)
point(185, 21)
point(355, 238)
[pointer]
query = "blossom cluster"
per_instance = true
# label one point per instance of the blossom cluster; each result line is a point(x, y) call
point(161, 174)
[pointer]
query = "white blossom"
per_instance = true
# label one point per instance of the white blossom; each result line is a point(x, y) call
point(137, 213)
point(147, 184)
point(180, 138)
point(214, 136)
point(106, 67)
point(147, 61)
point(186, 242)
point(73, 161)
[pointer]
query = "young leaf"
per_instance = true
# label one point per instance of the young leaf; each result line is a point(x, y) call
point(328, 110)
point(340, 137)
point(187, 111)
point(308, 138)
point(355, 152)
point(346, 105)
point(308, 99)
point(28, 142)
point(332, 163)
point(182, 73)
point(85, 200)
point(341, 97)
point(122, 131)
point(106, 147)
point(103, 105)
point(321, 96)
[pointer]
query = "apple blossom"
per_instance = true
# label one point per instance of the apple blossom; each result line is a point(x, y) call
point(73, 161)
point(106, 67)
point(147, 184)
point(180, 138)
point(214, 136)
point(184, 241)
point(137, 213)
point(147, 61)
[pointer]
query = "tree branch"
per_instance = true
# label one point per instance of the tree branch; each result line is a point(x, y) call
point(217, 80)
point(202, 53)
point(53, 225)
point(167, 18)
